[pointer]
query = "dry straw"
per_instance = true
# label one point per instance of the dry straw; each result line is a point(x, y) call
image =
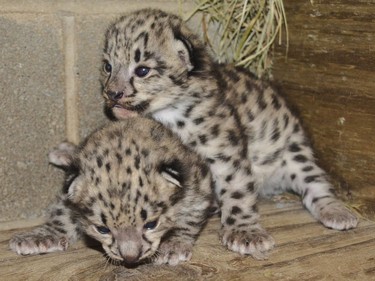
point(242, 31)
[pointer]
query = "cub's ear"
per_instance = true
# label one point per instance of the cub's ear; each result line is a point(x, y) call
point(173, 172)
point(63, 155)
point(185, 51)
point(72, 186)
point(72, 177)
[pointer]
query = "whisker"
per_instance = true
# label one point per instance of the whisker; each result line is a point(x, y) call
point(107, 261)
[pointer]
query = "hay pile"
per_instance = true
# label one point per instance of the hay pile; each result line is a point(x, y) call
point(242, 31)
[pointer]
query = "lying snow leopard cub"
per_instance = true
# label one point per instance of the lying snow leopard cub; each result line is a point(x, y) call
point(154, 66)
point(132, 186)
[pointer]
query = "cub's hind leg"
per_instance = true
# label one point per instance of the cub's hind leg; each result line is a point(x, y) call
point(303, 176)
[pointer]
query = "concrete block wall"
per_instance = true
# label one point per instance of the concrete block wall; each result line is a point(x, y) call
point(50, 60)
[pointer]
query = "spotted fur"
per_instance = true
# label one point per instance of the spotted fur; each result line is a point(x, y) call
point(132, 186)
point(156, 67)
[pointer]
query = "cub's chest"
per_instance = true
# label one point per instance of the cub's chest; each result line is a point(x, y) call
point(170, 116)
point(179, 119)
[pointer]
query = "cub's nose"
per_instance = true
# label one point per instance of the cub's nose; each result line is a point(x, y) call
point(130, 259)
point(114, 96)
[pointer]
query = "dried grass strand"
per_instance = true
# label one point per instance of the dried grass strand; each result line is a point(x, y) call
point(243, 31)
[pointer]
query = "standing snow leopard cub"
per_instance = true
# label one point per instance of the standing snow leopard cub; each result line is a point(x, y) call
point(155, 66)
point(134, 187)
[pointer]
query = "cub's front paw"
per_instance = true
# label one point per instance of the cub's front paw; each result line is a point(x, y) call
point(33, 244)
point(337, 216)
point(173, 252)
point(254, 241)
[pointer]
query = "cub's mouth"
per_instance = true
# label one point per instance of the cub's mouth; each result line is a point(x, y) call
point(121, 111)
point(127, 109)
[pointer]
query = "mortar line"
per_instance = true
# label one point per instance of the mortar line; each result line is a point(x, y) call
point(71, 92)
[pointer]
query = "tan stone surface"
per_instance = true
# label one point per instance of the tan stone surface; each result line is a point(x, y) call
point(31, 112)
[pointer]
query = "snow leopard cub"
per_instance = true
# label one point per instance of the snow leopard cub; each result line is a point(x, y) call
point(155, 66)
point(133, 187)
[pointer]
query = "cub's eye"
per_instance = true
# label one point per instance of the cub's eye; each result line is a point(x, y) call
point(107, 67)
point(150, 225)
point(142, 71)
point(102, 229)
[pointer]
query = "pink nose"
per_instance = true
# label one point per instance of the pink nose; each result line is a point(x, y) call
point(130, 259)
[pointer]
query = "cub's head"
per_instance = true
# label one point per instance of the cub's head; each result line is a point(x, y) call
point(149, 57)
point(129, 183)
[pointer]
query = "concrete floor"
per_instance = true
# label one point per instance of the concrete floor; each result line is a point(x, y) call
point(305, 251)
